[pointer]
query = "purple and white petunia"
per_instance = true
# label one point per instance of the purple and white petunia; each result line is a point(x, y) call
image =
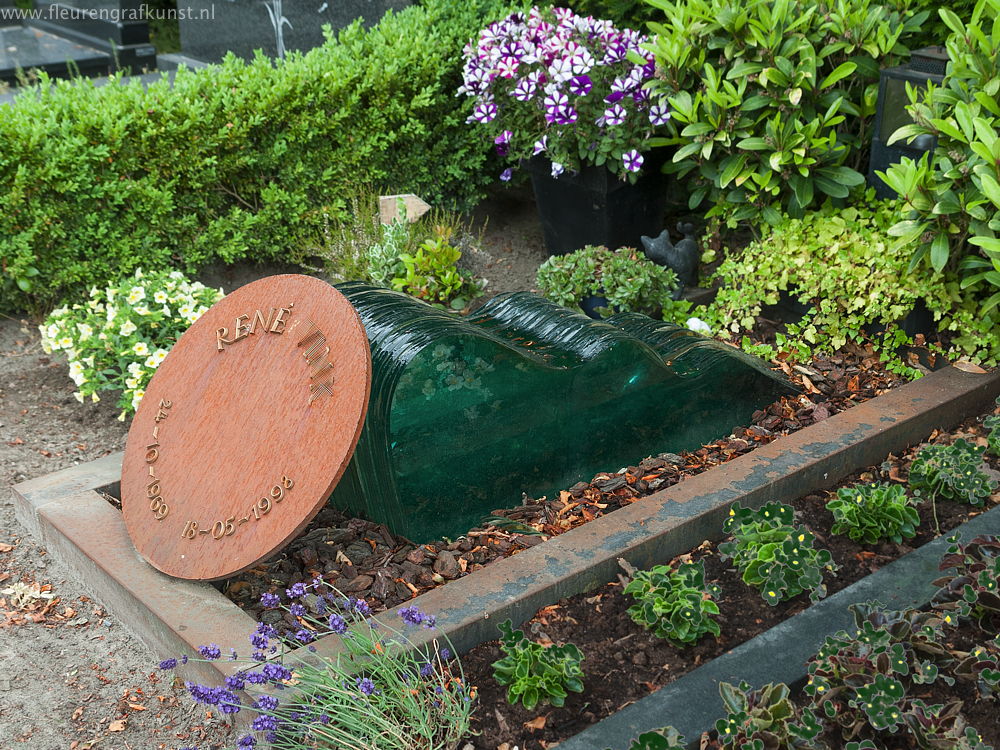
point(659, 114)
point(632, 160)
point(485, 111)
point(540, 145)
point(615, 114)
point(580, 85)
point(557, 169)
point(524, 90)
point(506, 175)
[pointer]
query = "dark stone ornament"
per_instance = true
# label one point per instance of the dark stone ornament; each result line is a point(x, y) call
point(682, 258)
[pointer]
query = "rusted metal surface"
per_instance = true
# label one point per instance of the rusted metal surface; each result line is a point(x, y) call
point(246, 428)
point(91, 536)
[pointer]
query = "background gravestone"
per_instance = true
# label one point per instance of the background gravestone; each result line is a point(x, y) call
point(245, 428)
point(211, 28)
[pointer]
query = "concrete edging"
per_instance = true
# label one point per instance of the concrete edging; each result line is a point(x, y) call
point(692, 703)
point(66, 512)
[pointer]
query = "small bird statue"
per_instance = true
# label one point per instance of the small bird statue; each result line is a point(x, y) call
point(682, 258)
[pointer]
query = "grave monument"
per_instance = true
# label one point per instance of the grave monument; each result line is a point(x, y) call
point(289, 392)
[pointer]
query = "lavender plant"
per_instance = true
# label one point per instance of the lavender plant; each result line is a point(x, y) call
point(954, 472)
point(871, 512)
point(774, 555)
point(534, 673)
point(674, 603)
point(382, 692)
point(571, 88)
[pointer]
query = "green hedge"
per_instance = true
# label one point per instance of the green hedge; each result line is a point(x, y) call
point(241, 160)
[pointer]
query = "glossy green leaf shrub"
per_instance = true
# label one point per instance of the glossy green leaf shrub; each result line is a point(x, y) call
point(765, 718)
point(431, 273)
point(953, 195)
point(839, 261)
point(954, 472)
point(868, 513)
point(775, 555)
point(240, 160)
point(674, 603)
point(992, 425)
point(534, 673)
point(772, 101)
point(971, 587)
point(118, 336)
point(629, 280)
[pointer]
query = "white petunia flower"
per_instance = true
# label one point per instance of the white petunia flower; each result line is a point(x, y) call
point(141, 348)
point(128, 328)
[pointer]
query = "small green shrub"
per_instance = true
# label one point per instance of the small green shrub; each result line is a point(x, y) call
point(431, 274)
point(972, 586)
point(772, 102)
point(535, 674)
point(992, 425)
point(765, 718)
point(117, 339)
point(954, 472)
point(674, 603)
point(942, 726)
point(626, 278)
point(773, 555)
point(666, 738)
point(869, 513)
point(981, 666)
point(953, 193)
point(240, 160)
point(841, 262)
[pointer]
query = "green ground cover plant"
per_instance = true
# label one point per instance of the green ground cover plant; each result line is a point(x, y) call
point(241, 160)
point(534, 673)
point(773, 554)
point(674, 603)
point(869, 513)
point(115, 340)
point(772, 100)
point(954, 472)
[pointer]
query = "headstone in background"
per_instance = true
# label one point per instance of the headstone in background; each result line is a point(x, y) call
point(116, 28)
point(211, 28)
point(245, 428)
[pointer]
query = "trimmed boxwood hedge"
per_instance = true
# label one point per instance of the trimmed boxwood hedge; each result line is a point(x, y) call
point(240, 160)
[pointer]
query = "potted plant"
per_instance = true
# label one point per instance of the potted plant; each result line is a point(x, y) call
point(602, 281)
point(565, 96)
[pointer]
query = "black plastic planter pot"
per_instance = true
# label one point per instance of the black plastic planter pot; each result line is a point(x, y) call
point(595, 207)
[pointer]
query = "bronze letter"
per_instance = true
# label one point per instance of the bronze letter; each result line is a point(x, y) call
point(241, 331)
point(220, 338)
point(279, 320)
point(258, 315)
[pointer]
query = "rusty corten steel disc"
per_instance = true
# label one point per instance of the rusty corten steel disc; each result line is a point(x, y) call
point(246, 428)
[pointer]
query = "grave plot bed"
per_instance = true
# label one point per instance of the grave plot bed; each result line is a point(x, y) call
point(625, 662)
point(68, 513)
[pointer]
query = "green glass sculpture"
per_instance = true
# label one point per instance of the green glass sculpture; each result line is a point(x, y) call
point(468, 413)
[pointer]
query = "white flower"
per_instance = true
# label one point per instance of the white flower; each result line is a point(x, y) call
point(176, 275)
point(159, 355)
point(64, 343)
point(141, 348)
point(134, 369)
point(111, 312)
point(137, 397)
point(86, 331)
point(137, 294)
point(79, 396)
point(131, 383)
point(52, 331)
point(141, 310)
point(160, 297)
point(94, 397)
point(699, 326)
point(128, 328)
point(102, 336)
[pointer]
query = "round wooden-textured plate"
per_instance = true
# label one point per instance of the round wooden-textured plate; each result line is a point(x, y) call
point(246, 428)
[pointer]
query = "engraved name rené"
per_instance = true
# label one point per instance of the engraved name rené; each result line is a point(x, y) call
point(247, 325)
